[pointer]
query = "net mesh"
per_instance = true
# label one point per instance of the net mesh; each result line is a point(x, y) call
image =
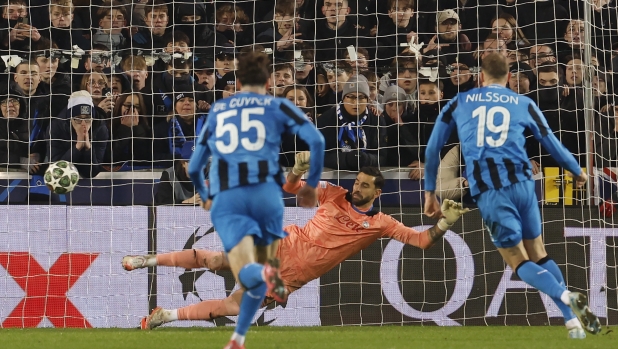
point(152, 71)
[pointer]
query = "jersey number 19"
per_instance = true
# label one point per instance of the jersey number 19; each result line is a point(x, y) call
point(486, 119)
point(246, 124)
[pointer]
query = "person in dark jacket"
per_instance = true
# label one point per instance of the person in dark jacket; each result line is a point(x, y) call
point(185, 124)
point(130, 134)
point(14, 135)
point(354, 136)
point(80, 136)
point(175, 186)
point(399, 30)
point(401, 138)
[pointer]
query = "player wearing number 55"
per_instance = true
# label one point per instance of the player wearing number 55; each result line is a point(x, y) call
point(491, 122)
point(243, 134)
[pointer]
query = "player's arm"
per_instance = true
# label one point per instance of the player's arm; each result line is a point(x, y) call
point(301, 165)
point(452, 211)
point(439, 136)
point(198, 162)
point(299, 125)
point(541, 131)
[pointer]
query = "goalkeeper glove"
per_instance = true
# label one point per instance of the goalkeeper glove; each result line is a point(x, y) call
point(301, 163)
point(452, 211)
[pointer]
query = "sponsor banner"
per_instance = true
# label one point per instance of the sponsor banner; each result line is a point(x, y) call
point(180, 228)
point(60, 266)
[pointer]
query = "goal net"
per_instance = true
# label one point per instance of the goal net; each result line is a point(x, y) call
point(122, 89)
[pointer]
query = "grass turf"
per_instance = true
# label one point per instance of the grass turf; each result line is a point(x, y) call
point(388, 337)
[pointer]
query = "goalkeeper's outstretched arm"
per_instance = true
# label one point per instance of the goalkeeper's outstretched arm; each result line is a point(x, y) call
point(452, 211)
point(301, 166)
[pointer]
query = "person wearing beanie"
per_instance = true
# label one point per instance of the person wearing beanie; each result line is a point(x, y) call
point(522, 78)
point(80, 137)
point(225, 86)
point(186, 123)
point(401, 140)
point(353, 134)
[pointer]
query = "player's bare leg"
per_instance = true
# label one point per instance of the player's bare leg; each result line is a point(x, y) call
point(188, 259)
point(518, 258)
point(204, 310)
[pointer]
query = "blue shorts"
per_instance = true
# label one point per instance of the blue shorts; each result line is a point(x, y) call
point(511, 213)
point(255, 210)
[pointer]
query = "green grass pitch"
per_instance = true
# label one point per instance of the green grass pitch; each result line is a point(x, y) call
point(387, 337)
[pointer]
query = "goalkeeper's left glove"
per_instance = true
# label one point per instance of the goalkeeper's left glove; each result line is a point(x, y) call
point(301, 163)
point(452, 211)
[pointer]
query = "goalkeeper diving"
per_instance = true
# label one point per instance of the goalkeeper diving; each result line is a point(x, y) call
point(344, 224)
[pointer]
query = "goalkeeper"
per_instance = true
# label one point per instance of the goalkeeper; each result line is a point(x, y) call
point(344, 224)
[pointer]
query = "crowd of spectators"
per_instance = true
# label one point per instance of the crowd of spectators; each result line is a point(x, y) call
point(125, 85)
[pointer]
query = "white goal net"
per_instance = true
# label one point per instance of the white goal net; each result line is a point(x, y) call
point(121, 89)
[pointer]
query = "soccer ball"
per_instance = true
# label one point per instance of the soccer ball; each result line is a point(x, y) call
point(61, 177)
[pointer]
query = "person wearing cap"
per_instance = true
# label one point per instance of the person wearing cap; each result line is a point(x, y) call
point(186, 123)
point(14, 134)
point(225, 60)
point(401, 142)
point(353, 134)
point(204, 71)
point(448, 41)
point(226, 86)
point(461, 79)
point(471, 14)
point(175, 186)
point(521, 79)
point(80, 137)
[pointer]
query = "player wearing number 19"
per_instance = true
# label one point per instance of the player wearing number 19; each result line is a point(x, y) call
point(491, 121)
point(243, 135)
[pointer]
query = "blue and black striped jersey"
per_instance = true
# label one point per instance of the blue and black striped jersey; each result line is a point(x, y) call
point(491, 121)
point(243, 135)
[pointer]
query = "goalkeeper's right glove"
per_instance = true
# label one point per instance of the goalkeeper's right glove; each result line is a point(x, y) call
point(301, 163)
point(452, 211)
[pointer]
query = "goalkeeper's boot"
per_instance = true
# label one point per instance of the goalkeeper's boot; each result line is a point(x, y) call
point(233, 345)
point(275, 285)
point(137, 262)
point(579, 304)
point(577, 333)
point(155, 319)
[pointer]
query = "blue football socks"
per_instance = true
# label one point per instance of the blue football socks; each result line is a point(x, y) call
point(553, 268)
point(255, 289)
point(540, 278)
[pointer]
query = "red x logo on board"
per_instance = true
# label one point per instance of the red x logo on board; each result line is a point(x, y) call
point(46, 291)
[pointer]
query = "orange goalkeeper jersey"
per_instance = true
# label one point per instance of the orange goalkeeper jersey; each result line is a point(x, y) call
point(336, 232)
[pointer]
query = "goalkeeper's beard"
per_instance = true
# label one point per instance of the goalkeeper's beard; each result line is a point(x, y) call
point(359, 200)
